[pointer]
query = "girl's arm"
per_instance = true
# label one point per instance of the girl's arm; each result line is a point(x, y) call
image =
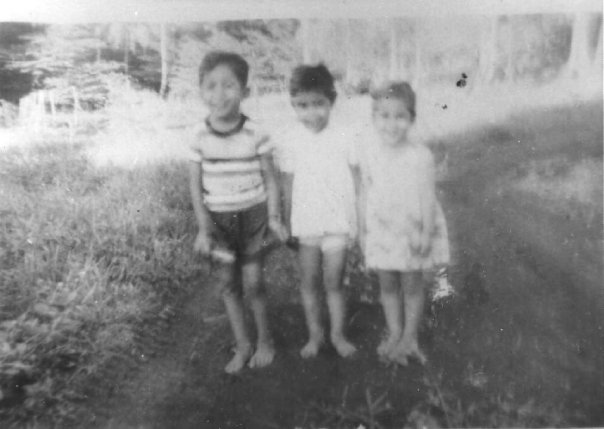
point(359, 191)
point(427, 188)
point(269, 175)
point(203, 242)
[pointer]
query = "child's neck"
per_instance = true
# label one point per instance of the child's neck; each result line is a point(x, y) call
point(399, 145)
point(225, 124)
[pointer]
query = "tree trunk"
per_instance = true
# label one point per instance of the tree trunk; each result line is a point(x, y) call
point(510, 70)
point(419, 71)
point(163, 89)
point(98, 33)
point(487, 54)
point(126, 48)
point(597, 59)
point(579, 60)
point(348, 47)
point(393, 69)
point(305, 36)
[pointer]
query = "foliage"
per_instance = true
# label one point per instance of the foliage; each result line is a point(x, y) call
point(87, 258)
point(357, 51)
point(269, 46)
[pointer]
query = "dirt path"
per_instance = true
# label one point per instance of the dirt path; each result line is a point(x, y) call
point(521, 345)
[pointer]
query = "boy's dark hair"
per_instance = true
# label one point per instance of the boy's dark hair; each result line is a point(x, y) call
point(399, 91)
point(312, 79)
point(235, 62)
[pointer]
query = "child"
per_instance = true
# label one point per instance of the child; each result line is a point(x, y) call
point(403, 230)
point(319, 202)
point(236, 200)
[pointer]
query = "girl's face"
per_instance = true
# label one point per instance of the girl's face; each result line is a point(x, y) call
point(312, 109)
point(392, 120)
point(222, 92)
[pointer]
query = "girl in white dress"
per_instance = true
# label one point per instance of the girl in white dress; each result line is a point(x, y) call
point(402, 226)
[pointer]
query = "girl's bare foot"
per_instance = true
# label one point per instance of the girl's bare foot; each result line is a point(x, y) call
point(242, 354)
point(344, 347)
point(407, 349)
point(311, 349)
point(265, 353)
point(387, 345)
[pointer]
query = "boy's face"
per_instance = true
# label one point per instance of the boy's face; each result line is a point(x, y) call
point(392, 120)
point(313, 109)
point(222, 92)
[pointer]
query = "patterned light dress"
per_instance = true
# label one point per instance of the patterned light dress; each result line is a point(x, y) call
point(393, 178)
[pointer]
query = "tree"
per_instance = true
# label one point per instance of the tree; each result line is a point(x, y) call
point(164, 40)
point(582, 52)
point(393, 62)
point(597, 59)
point(305, 40)
point(487, 52)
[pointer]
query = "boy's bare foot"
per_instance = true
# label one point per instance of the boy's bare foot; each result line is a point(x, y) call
point(405, 350)
point(344, 347)
point(242, 354)
point(265, 353)
point(387, 345)
point(311, 349)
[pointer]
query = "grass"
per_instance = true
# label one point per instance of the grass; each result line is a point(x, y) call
point(565, 186)
point(87, 257)
point(92, 254)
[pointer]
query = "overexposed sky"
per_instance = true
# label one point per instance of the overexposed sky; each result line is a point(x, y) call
point(72, 11)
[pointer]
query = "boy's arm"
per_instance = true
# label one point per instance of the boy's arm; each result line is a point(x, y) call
point(287, 179)
point(359, 191)
point(269, 175)
point(203, 240)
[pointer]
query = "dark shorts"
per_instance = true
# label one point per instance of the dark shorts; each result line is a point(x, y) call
point(243, 233)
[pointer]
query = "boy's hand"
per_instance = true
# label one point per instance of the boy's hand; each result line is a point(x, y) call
point(203, 243)
point(362, 239)
point(277, 227)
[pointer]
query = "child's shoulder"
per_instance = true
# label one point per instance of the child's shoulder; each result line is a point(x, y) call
point(421, 152)
point(198, 128)
point(253, 124)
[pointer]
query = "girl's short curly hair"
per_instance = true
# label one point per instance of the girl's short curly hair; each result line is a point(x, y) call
point(317, 78)
point(235, 62)
point(398, 90)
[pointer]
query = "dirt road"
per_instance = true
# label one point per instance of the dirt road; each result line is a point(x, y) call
point(522, 344)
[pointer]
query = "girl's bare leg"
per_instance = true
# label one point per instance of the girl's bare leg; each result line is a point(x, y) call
point(251, 274)
point(233, 302)
point(334, 263)
point(310, 267)
point(391, 303)
point(414, 291)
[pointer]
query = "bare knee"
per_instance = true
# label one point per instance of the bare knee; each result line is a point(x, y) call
point(334, 264)
point(389, 283)
point(254, 288)
point(231, 291)
point(413, 284)
point(309, 280)
point(227, 282)
point(251, 278)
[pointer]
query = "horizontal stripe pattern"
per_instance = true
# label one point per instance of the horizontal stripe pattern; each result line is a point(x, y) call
point(231, 166)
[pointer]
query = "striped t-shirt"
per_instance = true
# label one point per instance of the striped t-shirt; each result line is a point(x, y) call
point(230, 163)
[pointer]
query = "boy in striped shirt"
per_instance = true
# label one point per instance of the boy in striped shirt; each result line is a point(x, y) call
point(236, 200)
